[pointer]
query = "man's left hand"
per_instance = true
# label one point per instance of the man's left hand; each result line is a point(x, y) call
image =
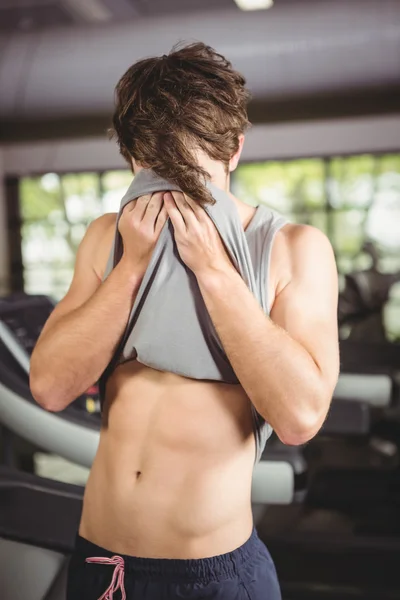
point(198, 241)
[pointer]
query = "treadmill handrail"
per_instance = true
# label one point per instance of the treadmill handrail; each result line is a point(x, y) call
point(14, 347)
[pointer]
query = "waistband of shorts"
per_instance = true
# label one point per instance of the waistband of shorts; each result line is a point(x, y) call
point(214, 568)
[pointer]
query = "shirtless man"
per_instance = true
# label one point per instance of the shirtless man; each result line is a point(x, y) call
point(172, 474)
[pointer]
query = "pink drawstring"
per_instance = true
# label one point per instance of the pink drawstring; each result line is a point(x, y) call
point(117, 582)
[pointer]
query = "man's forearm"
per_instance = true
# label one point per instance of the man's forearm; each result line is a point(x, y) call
point(277, 373)
point(74, 352)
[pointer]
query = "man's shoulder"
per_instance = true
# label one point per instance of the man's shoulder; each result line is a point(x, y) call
point(102, 231)
point(298, 248)
point(295, 237)
point(103, 224)
point(303, 241)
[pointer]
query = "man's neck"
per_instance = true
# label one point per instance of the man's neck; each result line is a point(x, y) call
point(245, 211)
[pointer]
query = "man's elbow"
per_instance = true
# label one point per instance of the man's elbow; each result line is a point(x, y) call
point(308, 417)
point(302, 429)
point(46, 395)
point(296, 437)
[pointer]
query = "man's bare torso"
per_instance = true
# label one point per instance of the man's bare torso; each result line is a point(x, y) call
point(172, 475)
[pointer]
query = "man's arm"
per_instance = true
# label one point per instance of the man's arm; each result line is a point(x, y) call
point(288, 364)
point(81, 335)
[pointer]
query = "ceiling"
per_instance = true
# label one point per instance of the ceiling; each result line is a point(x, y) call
point(31, 15)
point(65, 61)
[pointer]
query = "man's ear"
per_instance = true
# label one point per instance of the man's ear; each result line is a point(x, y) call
point(136, 167)
point(233, 163)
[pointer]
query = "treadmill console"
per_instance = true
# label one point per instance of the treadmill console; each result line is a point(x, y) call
point(22, 318)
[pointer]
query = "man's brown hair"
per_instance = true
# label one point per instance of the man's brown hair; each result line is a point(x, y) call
point(168, 106)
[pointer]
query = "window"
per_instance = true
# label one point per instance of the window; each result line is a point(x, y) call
point(294, 188)
point(56, 210)
point(355, 200)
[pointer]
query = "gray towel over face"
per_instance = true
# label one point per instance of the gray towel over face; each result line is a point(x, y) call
point(169, 328)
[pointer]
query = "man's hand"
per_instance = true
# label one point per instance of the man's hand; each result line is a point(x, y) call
point(198, 241)
point(140, 226)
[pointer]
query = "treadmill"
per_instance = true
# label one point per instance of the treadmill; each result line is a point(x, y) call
point(39, 517)
point(72, 433)
point(343, 542)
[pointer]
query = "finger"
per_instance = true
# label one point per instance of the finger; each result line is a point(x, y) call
point(185, 209)
point(129, 207)
point(174, 214)
point(153, 207)
point(198, 210)
point(139, 208)
point(161, 219)
point(180, 202)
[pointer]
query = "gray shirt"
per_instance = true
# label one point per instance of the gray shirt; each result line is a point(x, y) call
point(169, 328)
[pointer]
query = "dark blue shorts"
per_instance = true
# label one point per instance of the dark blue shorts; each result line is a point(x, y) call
point(247, 573)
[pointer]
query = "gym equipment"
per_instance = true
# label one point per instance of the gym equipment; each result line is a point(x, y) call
point(348, 417)
point(343, 542)
point(39, 517)
point(363, 298)
point(21, 320)
point(369, 487)
point(38, 521)
point(55, 505)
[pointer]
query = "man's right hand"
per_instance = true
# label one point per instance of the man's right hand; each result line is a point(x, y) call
point(140, 226)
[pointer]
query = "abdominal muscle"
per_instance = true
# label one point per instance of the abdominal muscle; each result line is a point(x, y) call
point(172, 474)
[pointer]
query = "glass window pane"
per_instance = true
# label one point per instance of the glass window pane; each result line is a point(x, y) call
point(348, 231)
point(391, 314)
point(56, 211)
point(352, 181)
point(81, 197)
point(383, 223)
point(288, 187)
point(114, 184)
point(40, 197)
point(390, 163)
point(42, 242)
point(52, 280)
point(383, 226)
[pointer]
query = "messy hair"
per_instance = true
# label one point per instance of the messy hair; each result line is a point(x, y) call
point(166, 107)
